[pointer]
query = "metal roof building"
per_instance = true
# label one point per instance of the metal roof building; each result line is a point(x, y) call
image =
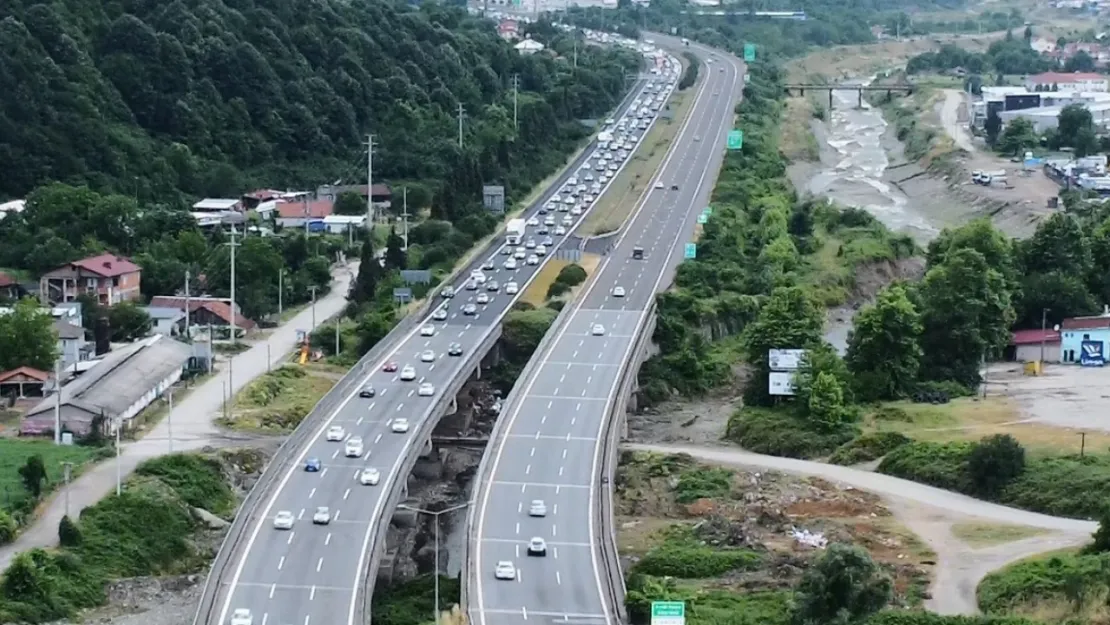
point(118, 387)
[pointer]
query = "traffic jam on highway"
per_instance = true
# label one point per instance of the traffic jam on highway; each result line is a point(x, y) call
point(362, 443)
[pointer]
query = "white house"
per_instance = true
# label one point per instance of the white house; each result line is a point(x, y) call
point(529, 46)
point(340, 224)
point(217, 205)
point(1063, 81)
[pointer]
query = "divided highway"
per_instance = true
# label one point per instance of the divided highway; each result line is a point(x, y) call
point(316, 574)
point(552, 447)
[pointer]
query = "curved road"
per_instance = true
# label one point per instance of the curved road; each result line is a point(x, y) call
point(552, 447)
point(313, 574)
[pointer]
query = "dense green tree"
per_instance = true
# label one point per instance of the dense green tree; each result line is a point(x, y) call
point(28, 338)
point(826, 403)
point(789, 319)
point(994, 462)
point(1058, 244)
point(369, 273)
point(128, 321)
point(966, 315)
point(394, 251)
point(350, 204)
point(884, 352)
point(843, 587)
point(1017, 137)
point(33, 474)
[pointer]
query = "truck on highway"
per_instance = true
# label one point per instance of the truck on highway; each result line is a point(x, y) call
point(515, 231)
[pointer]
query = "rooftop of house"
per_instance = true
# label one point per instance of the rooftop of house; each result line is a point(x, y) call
point(216, 204)
point(104, 265)
point(1058, 77)
point(317, 209)
point(1035, 337)
point(68, 331)
point(30, 372)
point(6, 280)
point(219, 308)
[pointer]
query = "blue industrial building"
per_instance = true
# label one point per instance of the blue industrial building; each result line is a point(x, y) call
point(1085, 340)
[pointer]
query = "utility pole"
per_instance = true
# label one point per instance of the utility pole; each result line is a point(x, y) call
point(516, 94)
point(169, 420)
point(405, 215)
point(67, 472)
point(306, 218)
point(461, 115)
point(435, 516)
point(313, 308)
point(336, 337)
point(1044, 329)
point(576, 50)
point(230, 369)
point(119, 470)
point(58, 401)
point(369, 183)
point(188, 335)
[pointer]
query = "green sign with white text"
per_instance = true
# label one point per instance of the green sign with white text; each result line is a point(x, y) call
point(668, 613)
point(735, 139)
point(691, 251)
point(703, 218)
point(749, 52)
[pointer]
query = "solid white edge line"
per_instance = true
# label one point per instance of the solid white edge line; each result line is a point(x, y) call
point(577, 308)
point(300, 459)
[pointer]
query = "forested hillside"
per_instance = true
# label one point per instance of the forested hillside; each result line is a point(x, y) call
point(159, 99)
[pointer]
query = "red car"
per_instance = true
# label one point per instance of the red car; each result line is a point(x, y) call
point(390, 367)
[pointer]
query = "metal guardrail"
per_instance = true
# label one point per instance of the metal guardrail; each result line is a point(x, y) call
point(245, 515)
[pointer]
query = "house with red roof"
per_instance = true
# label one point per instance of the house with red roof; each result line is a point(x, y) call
point(205, 311)
point(109, 278)
point(1027, 345)
point(297, 213)
point(9, 287)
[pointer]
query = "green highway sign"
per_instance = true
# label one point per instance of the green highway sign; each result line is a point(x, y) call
point(749, 52)
point(708, 210)
point(703, 218)
point(735, 139)
point(691, 251)
point(668, 613)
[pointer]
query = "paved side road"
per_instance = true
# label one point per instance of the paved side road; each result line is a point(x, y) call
point(191, 421)
point(880, 484)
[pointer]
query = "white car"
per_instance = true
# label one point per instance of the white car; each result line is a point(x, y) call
point(575, 211)
point(408, 373)
point(560, 231)
point(440, 314)
point(618, 291)
point(284, 520)
point(598, 330)
point(241, 616)
point(520, 255)
point(510, 264)
point(533, 222)
point(512, 288)
point(426, 390)
point(322, 516)
point(537, 508)
point(533, 260)
point(369, 477)
point(505, 570)
point(530, 244)
point(541, 250)
point(427, 356)
point(335, 433)
point(482, 298)
point(400, 426)
point(353, 448)
point(428, 330)
point(478, 276)
point(537, 547)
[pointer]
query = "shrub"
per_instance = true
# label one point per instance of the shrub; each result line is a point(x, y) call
point(695, 562)
point(412, 601)
point(571, 275)
point(868, 447)
point(8, 528)
point(943, 465)
point(556, 288)
point(1063, 577)
point(994, 462)
point(1071, 486)
point(69, 534)
point(780, 433)
point(906, 617)
point(196, 479)
point(702, 483)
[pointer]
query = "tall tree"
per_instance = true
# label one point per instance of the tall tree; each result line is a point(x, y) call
point(369, 272)
point(966, 316)
point(884, 352)
point(28, 337)
point(843, 587)
point(394, 251)
point(789, 319)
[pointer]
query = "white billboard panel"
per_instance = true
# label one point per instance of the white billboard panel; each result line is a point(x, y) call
point(781, 382)
point(785, 359)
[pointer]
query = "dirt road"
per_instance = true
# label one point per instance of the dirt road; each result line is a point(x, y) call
point(950, 119)
point(928, 511)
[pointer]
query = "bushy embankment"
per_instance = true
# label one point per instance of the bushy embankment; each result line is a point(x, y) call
point(1069, 587)
point(147, 530)
point(758, 237)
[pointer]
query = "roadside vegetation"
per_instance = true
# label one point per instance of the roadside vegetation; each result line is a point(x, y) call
point(279, 400)
point(412, 602)
point(154, 528)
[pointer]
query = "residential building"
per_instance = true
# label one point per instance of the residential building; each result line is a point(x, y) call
point(1063, 81)
point(9, 287)
point(342, 224)
point(117, 388)
point(72, 345)
point(23, 382)
point(109, 278)
point(167, 321)
point(529, 46)
point(14, 206)
point(1048, 117)
point(218, 205)
point(205, 311)
point(508, 30)
point(1027, 345)
point(380, 195)
point(1079, 330)
point(307, 212)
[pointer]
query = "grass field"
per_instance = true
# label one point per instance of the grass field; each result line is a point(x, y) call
point(15, 452)
point(614, 207)
point(278, 401)
point(536, 293)
point(979, 535)
point(972, 418)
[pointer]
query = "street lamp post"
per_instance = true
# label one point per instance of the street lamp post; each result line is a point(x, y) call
point(435, 515)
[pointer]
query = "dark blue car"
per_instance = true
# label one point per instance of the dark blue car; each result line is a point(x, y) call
point(312, 465)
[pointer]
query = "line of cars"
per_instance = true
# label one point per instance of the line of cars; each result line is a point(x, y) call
point(537, 546)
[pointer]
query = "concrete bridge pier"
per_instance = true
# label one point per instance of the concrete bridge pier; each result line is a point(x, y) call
point(492, 357)
point(427, 448)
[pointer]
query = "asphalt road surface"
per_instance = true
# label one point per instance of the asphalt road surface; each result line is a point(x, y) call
point(552, 449)
point(310, 575)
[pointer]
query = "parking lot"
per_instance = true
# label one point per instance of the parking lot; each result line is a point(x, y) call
point(1067, 396)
